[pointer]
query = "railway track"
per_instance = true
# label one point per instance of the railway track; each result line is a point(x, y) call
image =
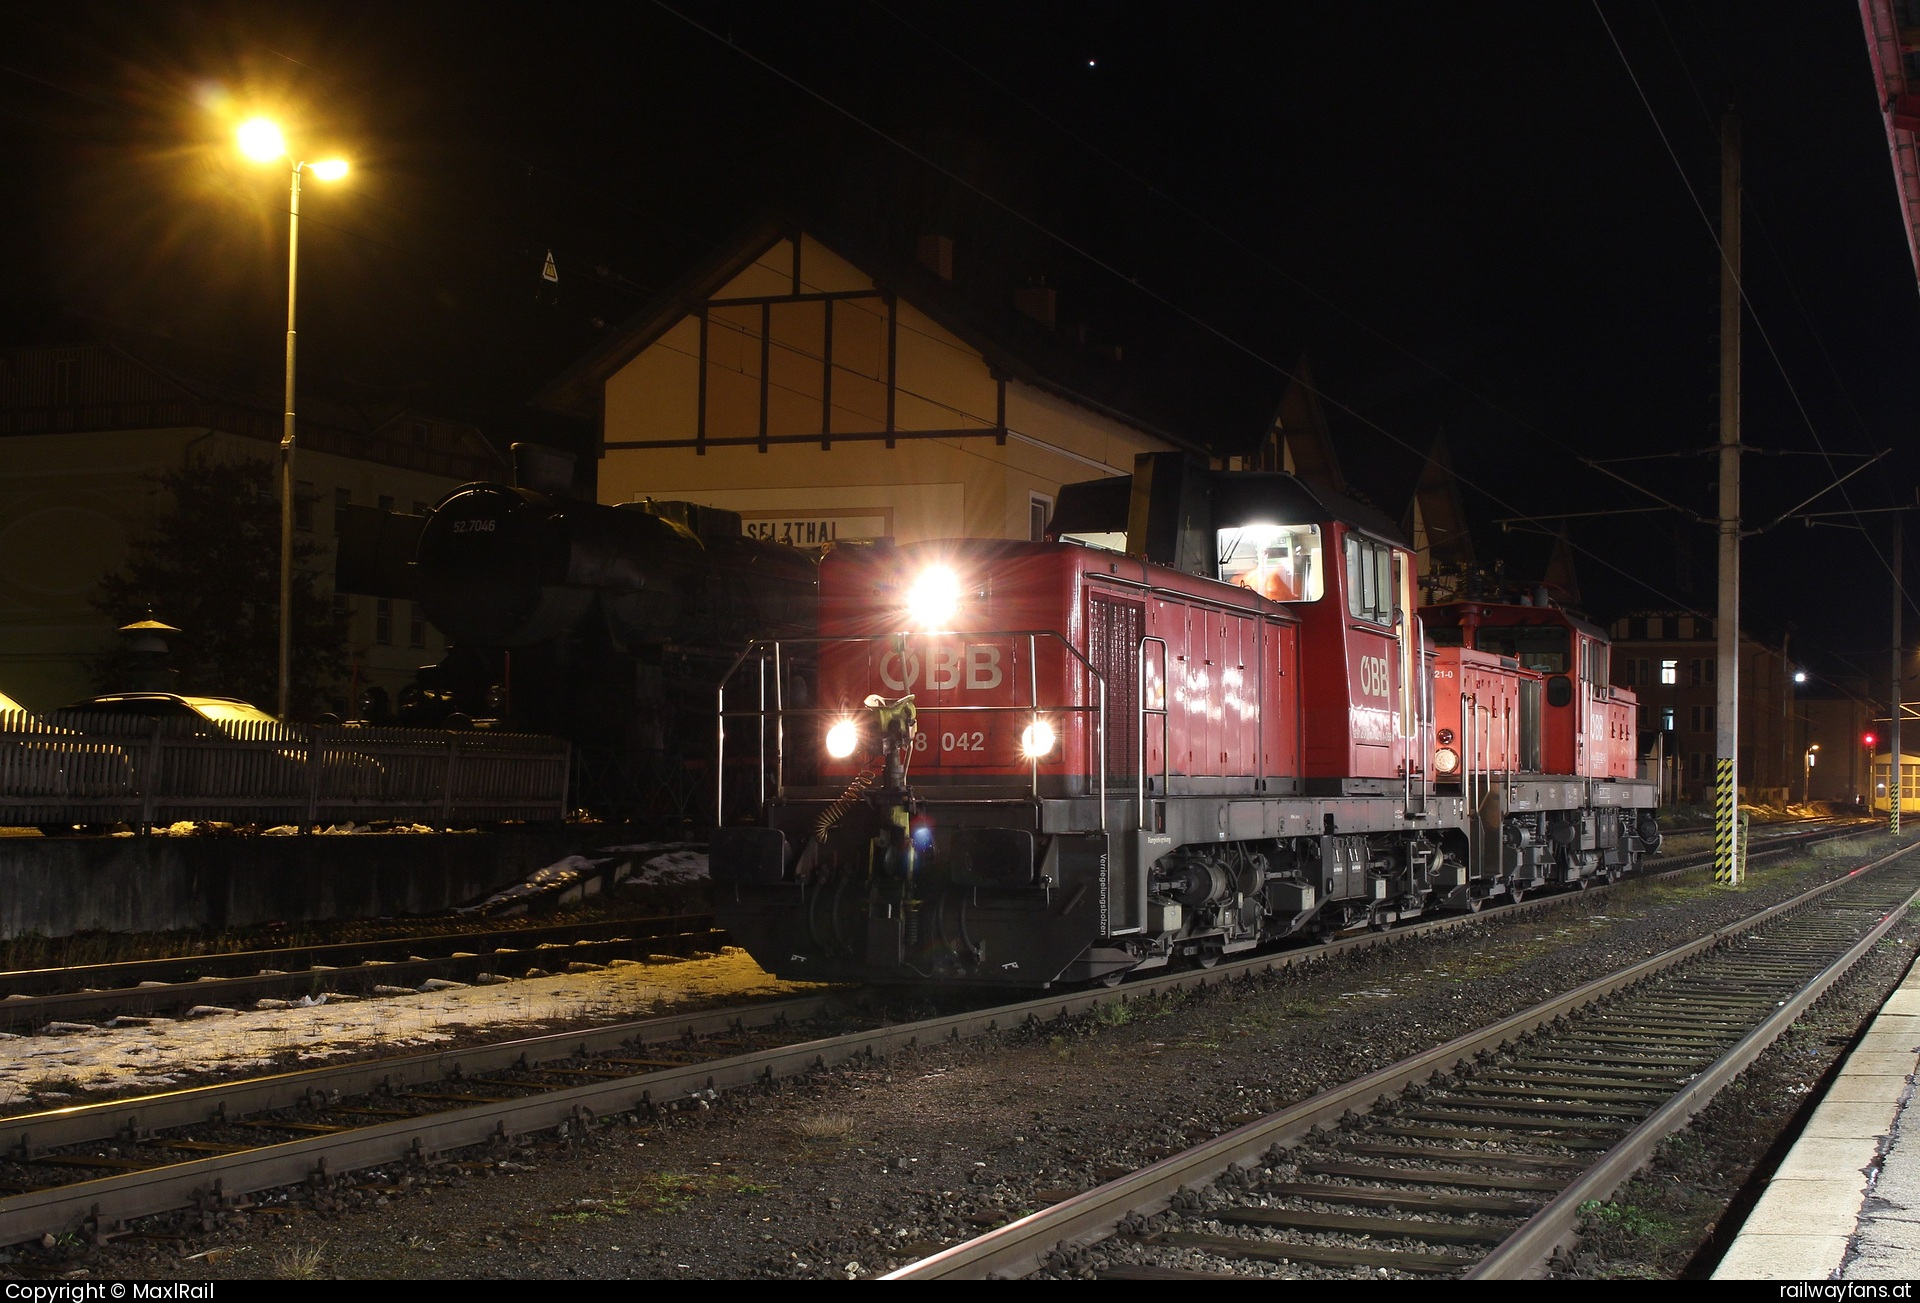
point(1473, 1158)
point(92, 1167)
point(35, 997)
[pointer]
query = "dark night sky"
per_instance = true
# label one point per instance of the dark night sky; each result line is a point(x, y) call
point(1462, 214)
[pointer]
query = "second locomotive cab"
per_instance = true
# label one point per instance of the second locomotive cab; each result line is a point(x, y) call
point(1204, 716)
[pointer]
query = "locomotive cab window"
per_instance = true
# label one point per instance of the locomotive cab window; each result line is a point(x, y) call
point(1369, 579)
point(1280, 562)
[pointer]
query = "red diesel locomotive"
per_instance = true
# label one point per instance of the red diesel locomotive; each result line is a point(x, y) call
point(1208, 717)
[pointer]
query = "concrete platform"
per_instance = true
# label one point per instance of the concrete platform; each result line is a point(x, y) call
point(1845, 1204)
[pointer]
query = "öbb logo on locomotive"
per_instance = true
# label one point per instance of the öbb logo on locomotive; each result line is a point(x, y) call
point(1157, 756)
point(1373, 677)
point(945, 663)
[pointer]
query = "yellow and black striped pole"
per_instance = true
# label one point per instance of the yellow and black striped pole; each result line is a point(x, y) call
point(1726, 827)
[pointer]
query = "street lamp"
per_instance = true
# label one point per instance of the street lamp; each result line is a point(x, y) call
point(260, 140)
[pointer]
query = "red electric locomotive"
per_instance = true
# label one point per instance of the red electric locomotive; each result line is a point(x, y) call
point(1204, 719)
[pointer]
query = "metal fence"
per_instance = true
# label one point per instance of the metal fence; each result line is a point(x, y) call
point(83, 768)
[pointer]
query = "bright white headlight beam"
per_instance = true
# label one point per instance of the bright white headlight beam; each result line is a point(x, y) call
point(1037, 739)
point(934, 599)
point(842, 738)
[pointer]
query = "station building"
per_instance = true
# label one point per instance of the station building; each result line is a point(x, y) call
point(1798, 741)
point(85, 429)
point(827, 399)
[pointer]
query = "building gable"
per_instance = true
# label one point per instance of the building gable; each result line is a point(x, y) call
point(791, 384)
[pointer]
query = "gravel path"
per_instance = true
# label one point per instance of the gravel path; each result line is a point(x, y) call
point(852, 1171)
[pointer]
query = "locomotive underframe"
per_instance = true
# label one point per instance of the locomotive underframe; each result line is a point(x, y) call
point(1017, 891)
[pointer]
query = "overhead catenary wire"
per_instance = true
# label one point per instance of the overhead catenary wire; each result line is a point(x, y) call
point(1740, 285)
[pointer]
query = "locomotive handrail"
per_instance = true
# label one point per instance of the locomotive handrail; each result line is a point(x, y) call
point(1140, 700)
point(774, 645)
point(1426, 721)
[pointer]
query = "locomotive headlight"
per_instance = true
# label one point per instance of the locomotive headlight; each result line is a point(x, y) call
point(1446, 760)
point(842, 738)
point(934, 599)
point(1036, 740)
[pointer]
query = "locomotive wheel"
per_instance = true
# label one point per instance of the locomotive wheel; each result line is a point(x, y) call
point(1111, 979)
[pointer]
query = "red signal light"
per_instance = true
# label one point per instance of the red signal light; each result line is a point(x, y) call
point(1869, 739)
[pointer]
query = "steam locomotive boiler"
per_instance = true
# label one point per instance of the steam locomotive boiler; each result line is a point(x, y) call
point(1207, 716)
point(606, 625)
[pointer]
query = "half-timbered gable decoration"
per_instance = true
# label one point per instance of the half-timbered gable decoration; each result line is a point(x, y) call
point(826, 402)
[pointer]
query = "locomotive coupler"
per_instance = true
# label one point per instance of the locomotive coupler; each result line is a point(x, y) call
point(898, 845)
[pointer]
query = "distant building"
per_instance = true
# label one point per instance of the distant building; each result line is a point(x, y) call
point(825, 398)
point(83, 431)
point(1671, 660)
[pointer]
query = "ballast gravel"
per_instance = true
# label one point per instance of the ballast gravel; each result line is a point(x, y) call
point(849, 1172)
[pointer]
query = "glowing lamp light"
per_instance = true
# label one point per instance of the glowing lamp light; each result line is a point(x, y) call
point(261, 141)
point(842, 738)
point(1869, 739)
point(1446, 760)
point(1799, 676)
point(1037, 739)
point(934, 599)
point(330, 170)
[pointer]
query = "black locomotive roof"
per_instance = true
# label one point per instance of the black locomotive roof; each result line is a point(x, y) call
point(1239, 498)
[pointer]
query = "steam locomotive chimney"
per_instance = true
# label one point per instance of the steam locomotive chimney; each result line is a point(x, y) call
point(543, 469)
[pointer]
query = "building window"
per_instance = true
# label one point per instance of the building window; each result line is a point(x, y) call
point(1700, 718)
point(1641, 673)
point(1696, 764)
point(416, 626)
point(1683, 627)
point(1039, 508)
point(1670, 672)
point(383, 622)
point(1656, 627)
point(343, 614)
point(342, 499)
point(1620, 627)
point(303, 506)
point(1666, 720)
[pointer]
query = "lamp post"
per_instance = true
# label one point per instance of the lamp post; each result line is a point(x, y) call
point(261, 141)
point(1806, 774)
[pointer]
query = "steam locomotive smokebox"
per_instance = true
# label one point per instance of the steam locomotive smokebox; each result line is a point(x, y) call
point(57, 886)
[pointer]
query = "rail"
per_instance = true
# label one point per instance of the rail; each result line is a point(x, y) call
point(1023, 1246)
point(90, 1201)
point(765, 651)
point(81, 767)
